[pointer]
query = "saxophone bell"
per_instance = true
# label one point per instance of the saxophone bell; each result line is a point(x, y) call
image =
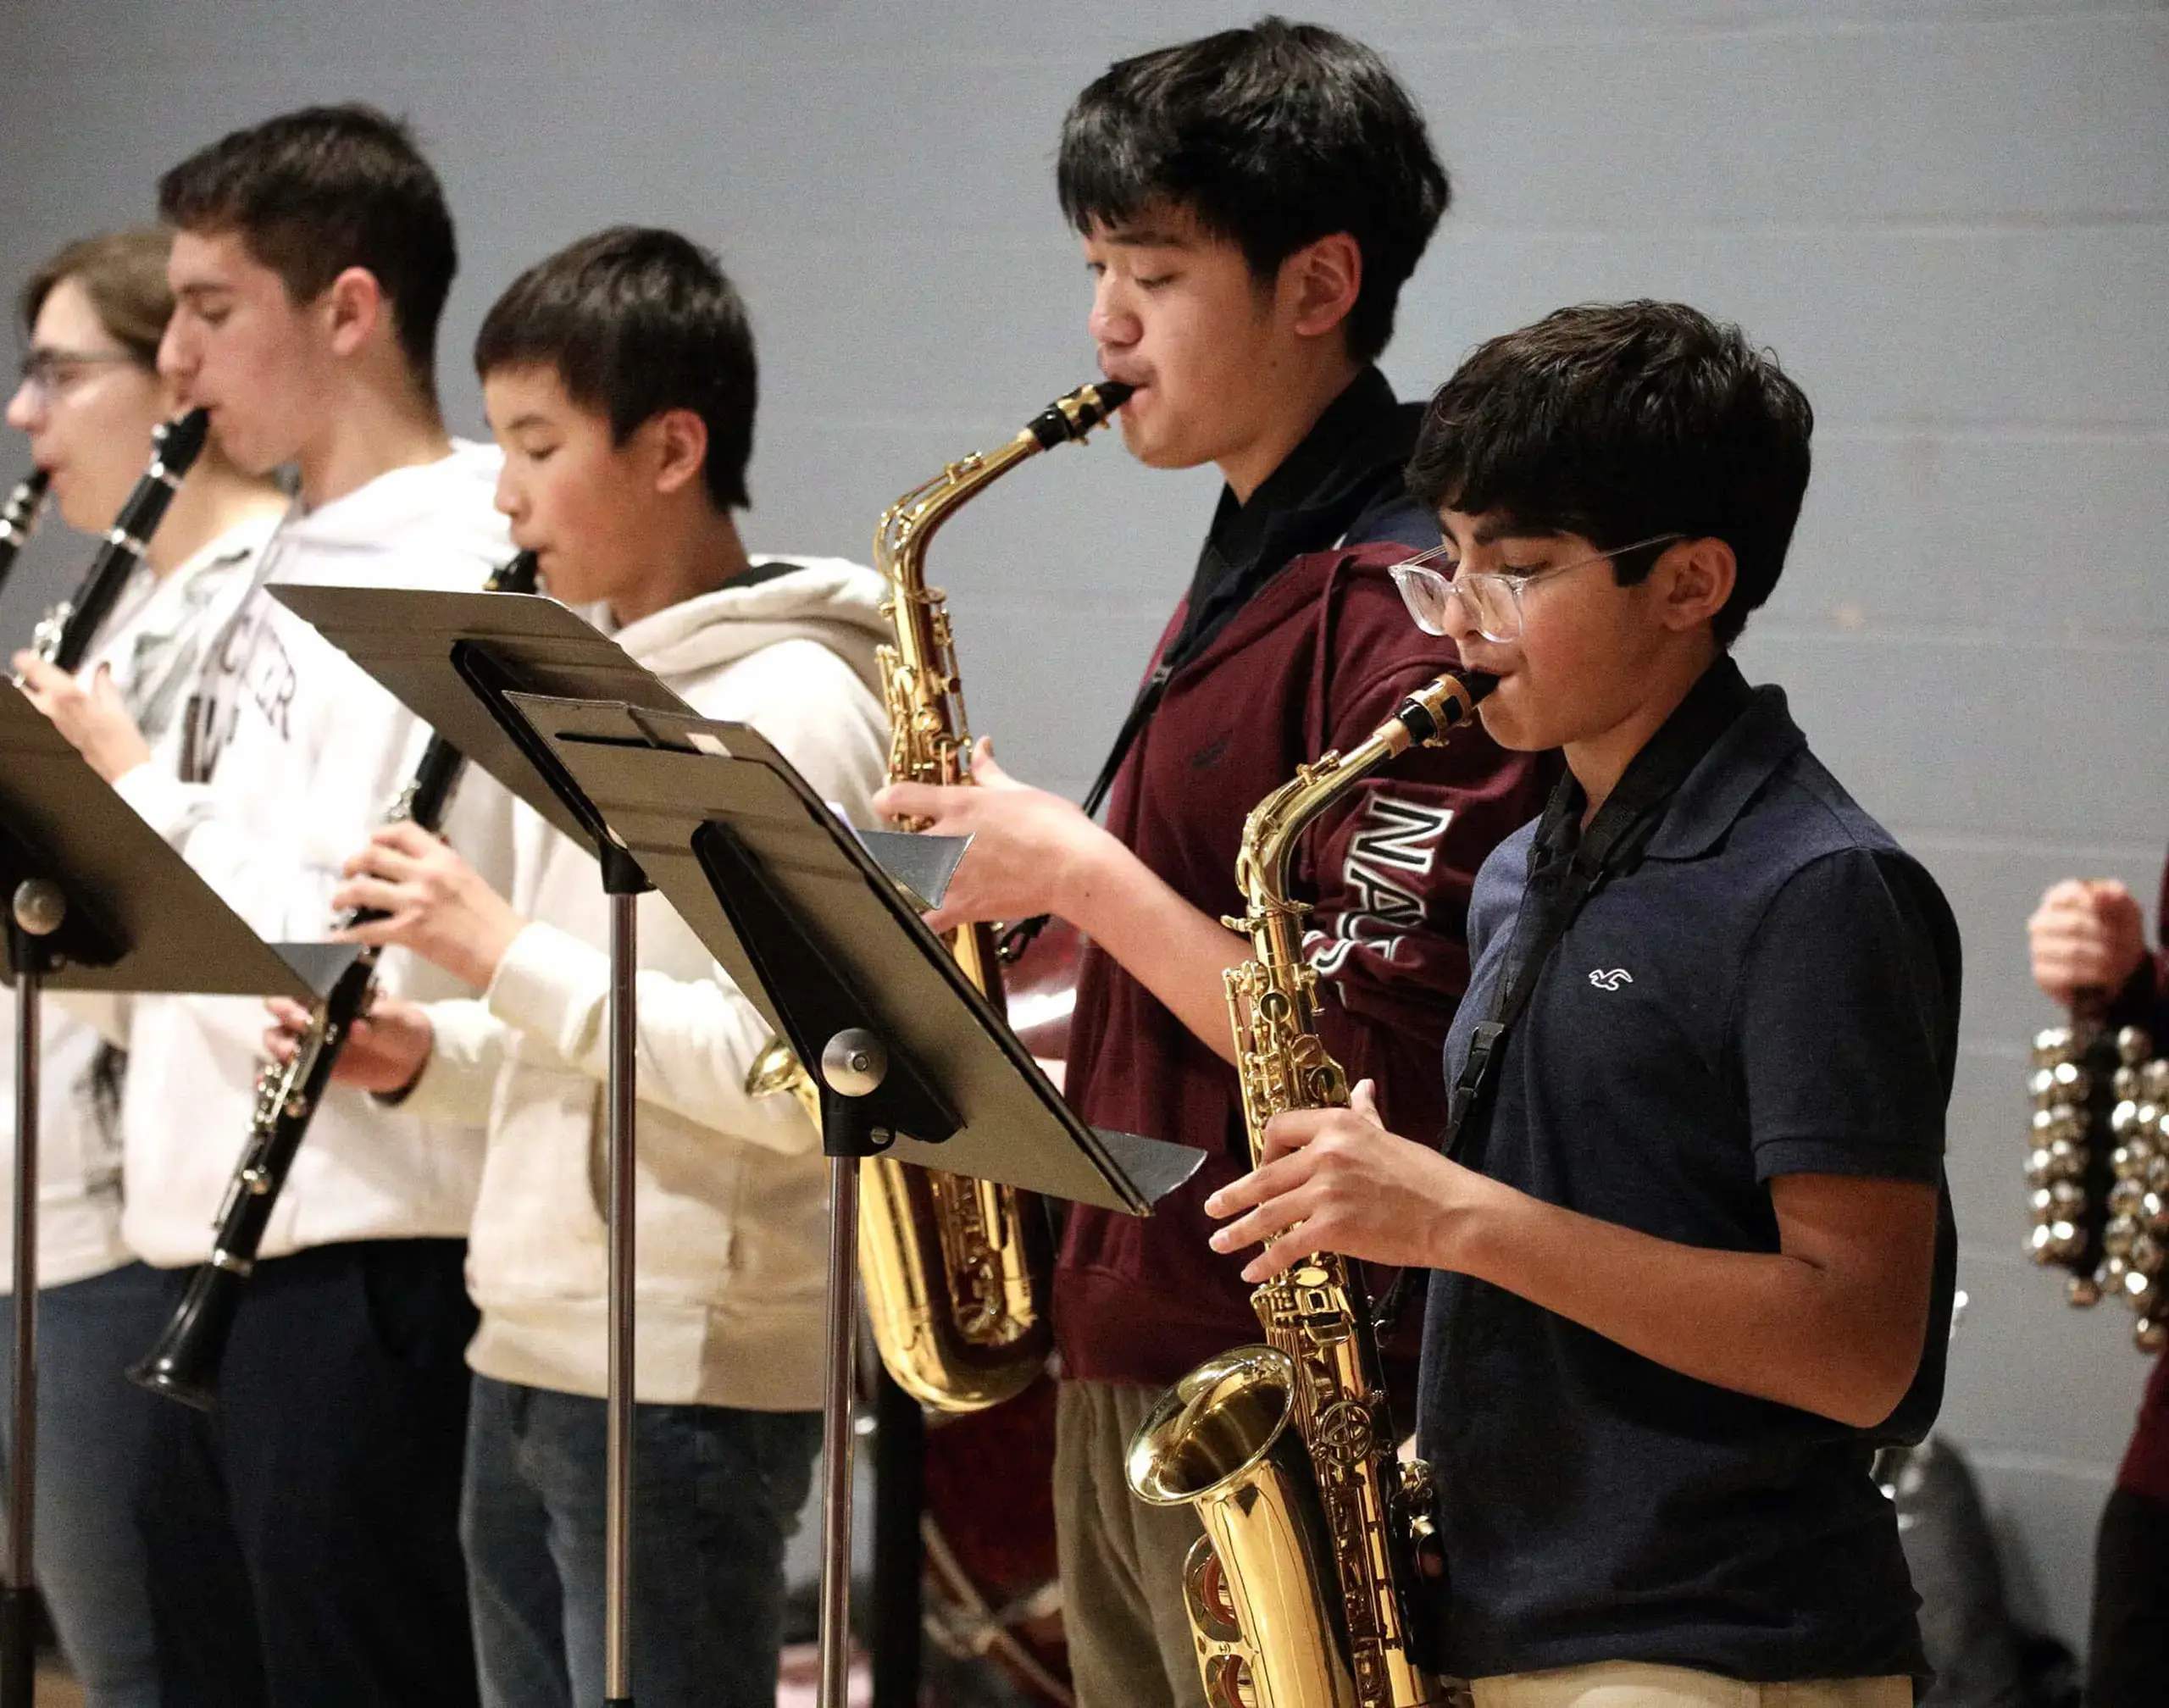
point(1255, 1585)
point(1355, 1537)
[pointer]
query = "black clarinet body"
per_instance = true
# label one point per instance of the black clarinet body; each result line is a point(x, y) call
point(183, 1364)
point(65, 637)
point(18, 518)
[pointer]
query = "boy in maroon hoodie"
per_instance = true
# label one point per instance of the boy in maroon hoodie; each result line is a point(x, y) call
point(1250, 204)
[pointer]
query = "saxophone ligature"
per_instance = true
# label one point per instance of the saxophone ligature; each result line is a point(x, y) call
point(1299, 1594)
point(184, 1362)
point(955, 1271)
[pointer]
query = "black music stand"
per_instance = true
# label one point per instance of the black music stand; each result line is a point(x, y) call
point(451, 658)
point(912, 1059)
point(96, 900)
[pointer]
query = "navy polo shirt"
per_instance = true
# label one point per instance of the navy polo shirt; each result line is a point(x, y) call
point(1772, 989)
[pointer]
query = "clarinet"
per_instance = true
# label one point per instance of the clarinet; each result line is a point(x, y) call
point(65, 637)
point(19, 519)
point(183, 1363)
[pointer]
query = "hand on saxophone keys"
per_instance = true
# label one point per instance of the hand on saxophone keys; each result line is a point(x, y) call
point(1351, 1187)
point(1027, 844)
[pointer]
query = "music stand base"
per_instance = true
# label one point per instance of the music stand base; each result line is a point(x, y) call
point(18, 1646)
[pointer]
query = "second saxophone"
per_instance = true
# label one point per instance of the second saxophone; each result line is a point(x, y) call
point(1299, 1591)
point(956, 1271)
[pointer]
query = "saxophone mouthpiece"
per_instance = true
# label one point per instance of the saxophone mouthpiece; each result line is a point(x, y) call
point(1429, 714)
point(1075, 416)
point(1112, 394)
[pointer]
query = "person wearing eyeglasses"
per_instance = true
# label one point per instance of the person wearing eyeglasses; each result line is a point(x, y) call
point(1689, 1243)
point(90, 394)
point(1249, 206)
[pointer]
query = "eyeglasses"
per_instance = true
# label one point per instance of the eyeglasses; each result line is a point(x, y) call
point(49, 372)
point(1492, 598)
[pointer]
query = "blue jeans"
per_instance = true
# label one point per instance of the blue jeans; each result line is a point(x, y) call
point(91, 1425)
point(716, 1492)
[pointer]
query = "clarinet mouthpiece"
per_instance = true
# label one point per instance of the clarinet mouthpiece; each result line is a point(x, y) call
point(181, 439)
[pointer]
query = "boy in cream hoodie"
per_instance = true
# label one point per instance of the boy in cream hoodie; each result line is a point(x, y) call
point(619, 377)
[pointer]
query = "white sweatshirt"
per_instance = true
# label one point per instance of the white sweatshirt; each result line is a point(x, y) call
point(730, 1191)
point(304, 754)
point(154, 643)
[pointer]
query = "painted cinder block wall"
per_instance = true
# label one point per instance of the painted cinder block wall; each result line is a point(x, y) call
point(1950, 216)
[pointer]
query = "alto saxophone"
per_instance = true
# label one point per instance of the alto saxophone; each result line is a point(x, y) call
point(1299, 1592)
point(956, 1271)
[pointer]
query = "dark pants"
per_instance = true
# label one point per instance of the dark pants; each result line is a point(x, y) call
point(2128, 1663)
point(91, 1425)
point(304, 1540)
point(716, 1493)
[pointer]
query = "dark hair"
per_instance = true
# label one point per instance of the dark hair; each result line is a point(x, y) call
point(637, 321)
point(1617, 421)
point(1272, 137)
point(123, 274)
point(314, 192)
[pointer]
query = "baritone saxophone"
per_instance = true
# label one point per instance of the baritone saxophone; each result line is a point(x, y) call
point(1299, 1591)
point(955, 1271)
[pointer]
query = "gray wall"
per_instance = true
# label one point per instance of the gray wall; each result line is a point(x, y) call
point(1948, 216)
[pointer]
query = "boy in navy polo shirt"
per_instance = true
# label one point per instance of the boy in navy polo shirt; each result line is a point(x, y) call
point(1693, 1252)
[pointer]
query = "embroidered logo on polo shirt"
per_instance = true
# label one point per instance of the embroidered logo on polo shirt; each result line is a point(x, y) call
point(1612, 979)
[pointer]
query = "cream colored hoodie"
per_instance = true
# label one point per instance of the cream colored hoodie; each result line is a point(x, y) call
point(305, 754)
point(729, 1196)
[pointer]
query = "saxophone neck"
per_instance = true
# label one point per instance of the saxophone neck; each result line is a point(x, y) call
point(1426, 719)
point(908, 526)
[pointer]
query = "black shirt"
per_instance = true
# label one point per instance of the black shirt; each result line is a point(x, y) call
point(1773, 988)
point(1343, 482)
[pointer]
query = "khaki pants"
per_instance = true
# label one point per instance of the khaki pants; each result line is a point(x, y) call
point(1130, 1637)
point(1635, 1685)
point(1122, 1561)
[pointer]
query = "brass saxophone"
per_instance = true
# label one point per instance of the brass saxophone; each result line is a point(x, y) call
point(955, 1271)
point(1299, 1591)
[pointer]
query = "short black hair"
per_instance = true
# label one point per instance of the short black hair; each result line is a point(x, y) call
point(637, 320)
point(315, 191)
point(1617, 421)
point(1272, 137)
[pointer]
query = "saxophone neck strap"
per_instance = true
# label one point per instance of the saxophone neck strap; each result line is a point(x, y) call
point(1567, 865)
point(1565, 870)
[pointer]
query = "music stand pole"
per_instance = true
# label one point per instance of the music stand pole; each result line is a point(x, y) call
point(853, 1065)
point(37, 911)
point(618, 1478)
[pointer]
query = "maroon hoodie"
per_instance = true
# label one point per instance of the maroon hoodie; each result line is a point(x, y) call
point(2144, 1002)
point(1317, 659)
